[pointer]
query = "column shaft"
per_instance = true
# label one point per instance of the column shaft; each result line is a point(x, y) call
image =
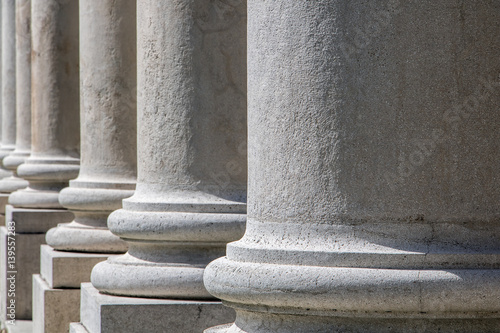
point(8, 80)
point(341, 237)
point(191, 191)
point(55, 110)
point(108, 127)
point(23, 99)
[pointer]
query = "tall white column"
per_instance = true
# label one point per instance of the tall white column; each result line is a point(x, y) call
point(23, 99)
point(8, 81)
point(55, 110)
point(373, 174)
point(191, 190)
point(108, 127)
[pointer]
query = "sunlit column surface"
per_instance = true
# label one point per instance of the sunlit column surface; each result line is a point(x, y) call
point(108, 127)
point(191, 190)
point(374, 178)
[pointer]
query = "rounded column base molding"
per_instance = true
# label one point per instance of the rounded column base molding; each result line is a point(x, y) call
point(129, 276)
point(77, 237)
point(46, 177)
point(91, 202)
point(12, 183)
point(253, 322)
point(332, 291)
point(15, 159)
point(35, 198)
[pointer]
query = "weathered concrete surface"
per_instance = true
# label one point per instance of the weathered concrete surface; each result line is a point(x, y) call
point(373, 188)
point(61, 269)
point(29, 226)
point(55, 97)
point(54, 309)
point(8, 88)
point(110, 314)
point(191, 192)
point(108, 127)
point(23, 99)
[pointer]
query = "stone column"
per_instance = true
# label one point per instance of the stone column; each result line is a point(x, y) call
point(108, 161)
point(8, 81)
point(108, 127)
point(55, 140)
point(191, 189)
point(23, 99)
point(373, 170)
point(54, 144)
point(8, 92)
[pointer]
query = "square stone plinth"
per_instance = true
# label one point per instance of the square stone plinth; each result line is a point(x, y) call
point(62, 269)
point(53, 309)
point(110, 314)
point(22, 236)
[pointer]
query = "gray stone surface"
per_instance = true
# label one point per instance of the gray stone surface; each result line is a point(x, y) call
point(61, 269)
point(372, 183)
point(111, 314)
point(191, 190)
point(30, 227)
point(8, 87)
point(55, 138)
point(54, 309)
point(108, 127)
point(23, 99)
point(15, 281)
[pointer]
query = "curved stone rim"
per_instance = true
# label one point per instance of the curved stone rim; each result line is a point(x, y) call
point(86, 198)
point(91, 240)
point(169, 281)
point(333, 290)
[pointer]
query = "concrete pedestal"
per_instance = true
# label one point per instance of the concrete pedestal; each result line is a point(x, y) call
point(110, 314)
point(30, 226)
point(56, 291)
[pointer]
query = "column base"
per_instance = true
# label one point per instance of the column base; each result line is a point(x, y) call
point(253, 322)
point(56, 291)
point(53, 309)
point(67, 269)
point(30, 226)
point(20, 326)
point(109, 314)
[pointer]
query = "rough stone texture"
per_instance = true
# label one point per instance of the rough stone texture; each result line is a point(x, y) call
point(23, 98)
point(54, 309)
point(30, 228)
point(8, 93)
point(67, 269)
point(55, 97)
point(110, 314)
point(374, 190)
point(27, 262)
point(108, 127)
point(191, 191)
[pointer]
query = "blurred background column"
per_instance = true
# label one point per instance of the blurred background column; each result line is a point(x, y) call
point(191, 190)
point(55, 138)
point(108, 159)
